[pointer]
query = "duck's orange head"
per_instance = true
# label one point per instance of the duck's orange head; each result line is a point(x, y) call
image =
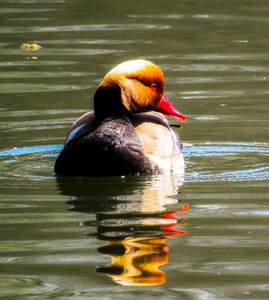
point(131, 87)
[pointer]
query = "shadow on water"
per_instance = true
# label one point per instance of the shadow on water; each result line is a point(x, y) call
point(134, 217)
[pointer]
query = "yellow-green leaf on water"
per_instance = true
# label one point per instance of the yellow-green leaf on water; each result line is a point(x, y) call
point(32, 58)
point(30, 46)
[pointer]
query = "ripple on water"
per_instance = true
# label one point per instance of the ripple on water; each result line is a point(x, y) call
point(83, 28)
point(18, 286)
point(229, 161)
point(27, 167)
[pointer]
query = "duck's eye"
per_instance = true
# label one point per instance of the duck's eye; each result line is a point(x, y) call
point(153, 86)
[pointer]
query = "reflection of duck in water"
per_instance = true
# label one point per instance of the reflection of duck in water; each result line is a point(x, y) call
point(136, 260)
point(127, 132)
point(134, 216)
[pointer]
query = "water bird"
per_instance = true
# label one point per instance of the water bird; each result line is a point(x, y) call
point(127, 132)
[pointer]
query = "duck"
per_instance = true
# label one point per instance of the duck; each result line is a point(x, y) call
point(127, 131)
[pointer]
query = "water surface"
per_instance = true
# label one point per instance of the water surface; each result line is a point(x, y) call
point(201, 236)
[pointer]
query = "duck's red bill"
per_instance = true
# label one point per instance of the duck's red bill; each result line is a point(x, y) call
point(167, 108)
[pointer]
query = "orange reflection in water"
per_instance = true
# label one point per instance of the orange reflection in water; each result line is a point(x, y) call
point(135, 216)
point(135, 260)
point(138, 262)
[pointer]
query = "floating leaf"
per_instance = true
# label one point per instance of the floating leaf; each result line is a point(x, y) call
point(32, 58)
point(30, 46)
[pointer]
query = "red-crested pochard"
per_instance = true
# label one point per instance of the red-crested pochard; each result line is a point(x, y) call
point(127, 132)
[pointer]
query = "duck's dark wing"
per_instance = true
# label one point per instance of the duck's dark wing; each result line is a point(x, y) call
point(114, 148)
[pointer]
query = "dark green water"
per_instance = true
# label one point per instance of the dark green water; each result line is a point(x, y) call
point(204, 236)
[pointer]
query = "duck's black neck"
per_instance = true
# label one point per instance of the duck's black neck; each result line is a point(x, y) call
point(107, 103)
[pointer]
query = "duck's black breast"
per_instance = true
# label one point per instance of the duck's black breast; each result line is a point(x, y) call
point(113, 148)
